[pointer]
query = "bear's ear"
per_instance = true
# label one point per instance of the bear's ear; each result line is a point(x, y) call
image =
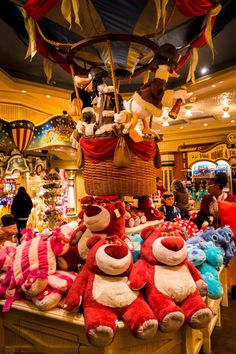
point(119, 208)
point(86, 200)
point(92, 240)
point(147, 232)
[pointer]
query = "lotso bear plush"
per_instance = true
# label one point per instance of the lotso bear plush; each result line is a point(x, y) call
point(151, 213)
point(103, 287)
point(173, 286)
point(102, 216)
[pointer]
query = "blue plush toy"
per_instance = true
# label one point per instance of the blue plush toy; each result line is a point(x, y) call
point(218, 237)
point(208, 259)
point(135, 244)
point(229, 247)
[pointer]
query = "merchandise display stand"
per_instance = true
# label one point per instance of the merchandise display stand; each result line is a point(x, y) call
point(26, 329)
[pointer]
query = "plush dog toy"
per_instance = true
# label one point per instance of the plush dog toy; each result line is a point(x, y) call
point(172, 285)
point(103, 287)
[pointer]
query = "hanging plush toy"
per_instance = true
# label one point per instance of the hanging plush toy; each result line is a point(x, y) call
point(172, 286)
point(102, 287)
point(149, 99)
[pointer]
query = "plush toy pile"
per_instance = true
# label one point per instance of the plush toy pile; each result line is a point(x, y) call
point(145, 280)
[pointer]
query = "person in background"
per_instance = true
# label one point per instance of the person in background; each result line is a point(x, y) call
point(181, 197)
point(20, 209)
point(159, 187)
point(4, 209)
point(8, 230)
point(209, 206)
point(168, 208)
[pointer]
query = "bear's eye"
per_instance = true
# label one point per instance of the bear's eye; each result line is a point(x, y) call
point(172, 233)
point(164, 234)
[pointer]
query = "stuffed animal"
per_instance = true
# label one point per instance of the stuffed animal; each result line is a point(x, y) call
point(135, 243)
point(102, 286)
point(151, 213)
point(207, 258)
point(34, 260)
point(172, 285)
point(101, 216)
point(218, 238)
point(190, 227)
point(148, 99)
point(210, 268)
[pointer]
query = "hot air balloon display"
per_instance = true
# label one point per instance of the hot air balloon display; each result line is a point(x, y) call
point(21, 132)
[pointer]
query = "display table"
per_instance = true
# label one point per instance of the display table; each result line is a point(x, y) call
point(26, 329)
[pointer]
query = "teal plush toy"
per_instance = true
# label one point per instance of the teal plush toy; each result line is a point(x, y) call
point(210, 268)
point(207, 258)
point(135, 244)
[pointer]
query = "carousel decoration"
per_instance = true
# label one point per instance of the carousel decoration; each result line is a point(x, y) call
point(21, 132)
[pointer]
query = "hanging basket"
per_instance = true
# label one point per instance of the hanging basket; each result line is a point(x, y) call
point(103, 178)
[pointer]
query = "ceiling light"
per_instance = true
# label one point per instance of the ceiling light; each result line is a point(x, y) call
point(181, 127)
point(226, 112)
point(204, 70)
point(213, 85)
point(23, 91)
point(225, 115)
point(188, 113)
point(48, 96)
point(205, 124)
point(232, 121)
point(165, 123)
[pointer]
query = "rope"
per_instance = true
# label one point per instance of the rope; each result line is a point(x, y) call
point(54, 44)
point(78, 106)
point(113, 76)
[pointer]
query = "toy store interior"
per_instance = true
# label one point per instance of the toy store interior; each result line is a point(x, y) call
point(117, 177)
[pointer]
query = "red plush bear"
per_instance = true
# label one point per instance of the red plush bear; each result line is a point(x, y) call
point(145, 204)
point(101, 216)
point(103, 286)
point(171, 283)
point(227, 214)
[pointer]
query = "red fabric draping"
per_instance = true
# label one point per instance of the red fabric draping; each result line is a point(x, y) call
point(198, 43)
point(38, 8)
point(101, 149)
point(195, 7)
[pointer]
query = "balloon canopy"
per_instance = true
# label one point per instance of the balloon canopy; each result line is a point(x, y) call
point(76, 32)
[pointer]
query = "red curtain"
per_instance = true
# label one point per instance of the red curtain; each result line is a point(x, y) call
point(195, 7)
point(101, 149)
point(39, 8)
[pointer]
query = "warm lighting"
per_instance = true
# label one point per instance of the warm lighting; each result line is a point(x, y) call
point(23, 91)
point(48, 96)
point(205, 124)
point(204, 70)
point(232, 121)
point(226, 112)
point(165, 123)
point(225, 115)
point(181, 127)
point(188, 112)
point(213, 85)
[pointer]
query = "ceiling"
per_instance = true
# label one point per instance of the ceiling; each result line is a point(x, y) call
point(23, 82)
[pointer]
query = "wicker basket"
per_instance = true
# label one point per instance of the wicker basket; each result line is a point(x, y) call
point(104, 178)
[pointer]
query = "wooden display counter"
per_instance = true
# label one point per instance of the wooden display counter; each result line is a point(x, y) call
point(25, 329)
